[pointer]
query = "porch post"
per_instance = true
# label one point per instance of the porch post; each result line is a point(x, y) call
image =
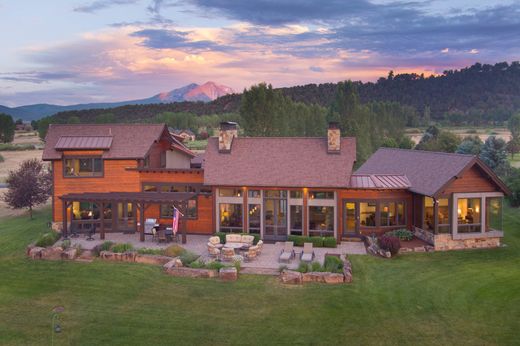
point(245, 211)
point(141, 220)
point(435, 215)
point(64, 228)
point(304, 215)
point(183, 225)
point(102, 216)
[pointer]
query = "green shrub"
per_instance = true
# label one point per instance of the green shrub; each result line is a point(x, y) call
point(79, 249)
point(174, 251)
point(303, 267)
point(48, 239)
point(65, 244)
point(329, 242)
point(105, 246)
point(316, 241)
point(282, 268)
point(222, 237)
point(2, 158)
point(316, 267)
point(188, 257)
point(148, 251)
point(215, 265)
point(296, 239)
point(237, 265)
point(197, 264)
point(402, 234)
point(16, 147)
point(122, 247)
point(333, 264)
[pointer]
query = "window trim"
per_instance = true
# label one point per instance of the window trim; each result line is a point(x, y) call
point(454, 214)
point(78, 157)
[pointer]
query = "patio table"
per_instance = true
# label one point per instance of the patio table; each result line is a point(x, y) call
point(234, 245)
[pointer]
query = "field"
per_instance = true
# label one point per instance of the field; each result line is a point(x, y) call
point(14, 158)
point(464, 297)
point(482, 132)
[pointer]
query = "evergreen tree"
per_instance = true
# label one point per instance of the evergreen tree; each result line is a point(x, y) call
point(7, 127)
point(494, 155)
point(470, 145)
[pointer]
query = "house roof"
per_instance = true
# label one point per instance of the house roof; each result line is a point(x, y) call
point(279, 162)
point(129, 141)
point(84, 142)
point(379, 181)
point(428, 172)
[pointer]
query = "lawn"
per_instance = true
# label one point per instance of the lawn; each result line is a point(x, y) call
point(463, 297)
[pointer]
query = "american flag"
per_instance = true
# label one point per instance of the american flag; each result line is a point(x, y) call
point(175, 220)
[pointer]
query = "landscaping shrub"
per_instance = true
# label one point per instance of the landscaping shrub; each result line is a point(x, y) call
point(188, 257)
point(303, 267)
point(237, 265)
point(316, 241)
point(174, 251)
point(390, 243)
point(215, 265)
point(16, 147)
point(48, 239)
point(105, 246)
point(333, 264)
point(148, 251)
point(296, 239)
point(402, 234)
point(79, 249)
point(65, 244)
point(122, 247)
point(282, 268)
point(316, 267)
point(222, 237)
point(2, 158)
point(197, 264)
point(329, 242)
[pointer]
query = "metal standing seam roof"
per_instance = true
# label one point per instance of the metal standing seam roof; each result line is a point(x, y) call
point(379, 181)
point(83, 142)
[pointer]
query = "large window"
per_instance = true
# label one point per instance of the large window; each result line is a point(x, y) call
point(230, 192)
point(392, 214)
point(493, 214)
point(83, 167)
point(443, 215)
point(255, 212)
point(191, 211)
point(86, 215)
point(367, 214)
point(321, 194)
point(254, 194)
point(166, 210)
point(321, 221)
point(468, 215)
point(296, 217)
point(230, 216)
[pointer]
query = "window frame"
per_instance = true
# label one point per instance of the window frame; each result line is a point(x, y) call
point(82, 157)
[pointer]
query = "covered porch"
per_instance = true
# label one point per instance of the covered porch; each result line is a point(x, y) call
point(106, 213)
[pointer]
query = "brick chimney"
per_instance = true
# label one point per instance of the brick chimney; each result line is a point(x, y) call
point(228, 130)
point(333, 138)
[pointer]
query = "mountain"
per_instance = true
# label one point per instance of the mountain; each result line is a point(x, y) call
point(206, 92)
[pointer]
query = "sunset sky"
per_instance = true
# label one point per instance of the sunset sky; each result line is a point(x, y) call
point(66, 52)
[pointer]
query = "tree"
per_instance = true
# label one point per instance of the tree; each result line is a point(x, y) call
point(513, 182)
point(7, 127)
point(28, 186)
point(448, 142)
point(494, 155)
point(435, 139)
point(513, 147)
point(470, 145)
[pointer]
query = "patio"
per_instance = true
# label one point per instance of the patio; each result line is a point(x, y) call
point(268, 260)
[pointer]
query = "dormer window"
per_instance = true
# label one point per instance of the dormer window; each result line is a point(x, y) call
point(83, 167)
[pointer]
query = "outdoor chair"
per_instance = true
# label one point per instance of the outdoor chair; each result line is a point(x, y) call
point(216, 242)
point(91, 232)
point(247, 239)
point(307, 253)
point(227, 254)
point(233, 238)
point(213, 251)
point(161, 236)
point(260, 245)
point(287, 253)
point(251, 253)
point(75, 232)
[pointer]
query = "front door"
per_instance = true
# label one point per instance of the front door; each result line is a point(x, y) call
point(125, 217)
point(275, 218)
point(351, 218)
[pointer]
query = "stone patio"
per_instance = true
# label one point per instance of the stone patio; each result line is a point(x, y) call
point(264, 263)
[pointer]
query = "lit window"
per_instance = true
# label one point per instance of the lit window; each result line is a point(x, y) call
point(230, 192)
point(83, 167)
point(230, 217)
point(493, 214)
point(321, 194)
point(468, 215)
point(367, 214)
point(321, 221)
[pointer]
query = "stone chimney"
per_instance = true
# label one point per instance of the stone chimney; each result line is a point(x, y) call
point(228, 130)
point(333, 138)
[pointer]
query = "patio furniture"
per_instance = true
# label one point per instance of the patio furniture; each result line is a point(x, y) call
point(307, 253)
point(260, 245)
point(251, 253)
point(161, 236)
point(216, 242)
point(287, 253)
point(91, 233)
point(149, 227)
point(75, 232)
point(228, 253)
point(248, 239)
point(235, 239)
point(213, 251)
point(234, 245)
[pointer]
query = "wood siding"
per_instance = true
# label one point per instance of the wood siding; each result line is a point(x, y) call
point(473, 180)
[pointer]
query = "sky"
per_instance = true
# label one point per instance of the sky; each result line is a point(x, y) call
point(78, 51)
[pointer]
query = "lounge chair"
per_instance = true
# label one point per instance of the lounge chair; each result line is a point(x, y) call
point(287, 253)
point(215, 241)
point(227, 254)
point(307, 253)
point(251, 253)
point(213, 250)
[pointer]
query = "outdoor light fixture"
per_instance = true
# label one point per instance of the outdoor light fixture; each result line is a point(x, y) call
point(55, 325)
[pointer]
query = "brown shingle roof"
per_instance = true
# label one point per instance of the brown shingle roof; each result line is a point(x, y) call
point(129, 141)
point(279, 162)
point(427, 171)
point(379, 181)
point(83, 142)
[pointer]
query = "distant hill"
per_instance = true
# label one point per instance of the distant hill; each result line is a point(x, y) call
point(206, 92)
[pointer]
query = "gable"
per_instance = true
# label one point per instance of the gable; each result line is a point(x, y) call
point(473, 179)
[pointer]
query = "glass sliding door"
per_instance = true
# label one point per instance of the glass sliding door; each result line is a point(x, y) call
point(275, 215)
point(125, 217)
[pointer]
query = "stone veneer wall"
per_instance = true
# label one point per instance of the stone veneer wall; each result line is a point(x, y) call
point(445, 242)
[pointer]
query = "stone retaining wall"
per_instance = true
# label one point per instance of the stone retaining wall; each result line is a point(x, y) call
point(445, 242)
point(292, 277)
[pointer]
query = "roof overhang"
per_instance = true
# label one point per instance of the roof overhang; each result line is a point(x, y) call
point(143, 197)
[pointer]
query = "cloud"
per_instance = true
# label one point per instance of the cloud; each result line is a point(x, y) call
point(102, 4)
point(316, 69)
point(174, 39)
point(35, 76)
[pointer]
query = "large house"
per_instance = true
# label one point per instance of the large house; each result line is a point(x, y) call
point(114, 176)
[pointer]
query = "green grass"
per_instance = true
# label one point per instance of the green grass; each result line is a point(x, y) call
point(197, 145)
point(16, 147)
point(460, 297)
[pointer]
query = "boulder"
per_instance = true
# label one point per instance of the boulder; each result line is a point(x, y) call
point(69, 254)
point(107, 255)
point(313, 277)
point(169, 264)
point(291, 277)
point(36, 252)
point(347, 277)
point(419, 249)
point(228, 274)
point(333, 278)
point(52, 253)
point(405, 250)
point(152, 259)
point(192, 272)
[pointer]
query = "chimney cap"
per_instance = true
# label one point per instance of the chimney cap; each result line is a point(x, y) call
point(333, 125)
point(228, 124)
